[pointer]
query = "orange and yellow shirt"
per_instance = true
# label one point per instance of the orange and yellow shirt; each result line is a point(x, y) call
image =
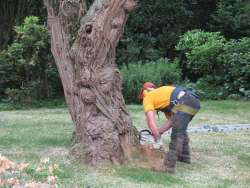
point(158, 98)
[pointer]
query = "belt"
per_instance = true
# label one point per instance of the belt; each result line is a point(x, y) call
point(184, 108)
point(174, 105)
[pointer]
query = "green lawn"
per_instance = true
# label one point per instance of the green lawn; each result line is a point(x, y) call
point(219, 159)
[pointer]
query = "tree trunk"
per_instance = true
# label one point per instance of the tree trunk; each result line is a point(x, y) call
point(83, 43)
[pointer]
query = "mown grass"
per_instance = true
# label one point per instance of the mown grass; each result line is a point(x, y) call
point(220, 160)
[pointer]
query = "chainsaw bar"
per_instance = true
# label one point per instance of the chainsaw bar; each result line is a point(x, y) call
point(146, 138)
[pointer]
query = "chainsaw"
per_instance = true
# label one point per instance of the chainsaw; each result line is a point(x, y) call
point(146, 138)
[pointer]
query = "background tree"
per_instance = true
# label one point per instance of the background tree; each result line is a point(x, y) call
point(232, 18)
point(152, 32)
point(27, 69)
point(13, 12)
point(83, 43)
point(220, 66)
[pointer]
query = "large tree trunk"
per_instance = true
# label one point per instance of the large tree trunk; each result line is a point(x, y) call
point(83, 43)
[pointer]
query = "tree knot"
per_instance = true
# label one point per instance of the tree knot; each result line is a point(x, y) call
point(88, 28)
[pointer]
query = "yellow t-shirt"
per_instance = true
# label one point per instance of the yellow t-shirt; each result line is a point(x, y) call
point(158, 98)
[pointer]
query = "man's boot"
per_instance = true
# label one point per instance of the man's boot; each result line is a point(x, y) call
point(184, 156)
point(170, 161)
point(175, 147)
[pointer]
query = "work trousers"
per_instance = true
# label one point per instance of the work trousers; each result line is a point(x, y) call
point(179, 144)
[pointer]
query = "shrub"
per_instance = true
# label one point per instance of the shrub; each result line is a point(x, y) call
point(236, 61)
point(221, 67)
point(201, 49)
point(28, 68)
point(232, 18)
point(160, 72)
point(208, 88)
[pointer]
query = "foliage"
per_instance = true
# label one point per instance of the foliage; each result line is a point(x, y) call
point(30, 72)
point(153, 29)
point(52, 103)
point(201, 49)
point(143, 48)
point(208, 87)
point(232, 18)
point(13, 12)
point(217, 65)
point(160, 72)
point(236, 60)
point(222, 67)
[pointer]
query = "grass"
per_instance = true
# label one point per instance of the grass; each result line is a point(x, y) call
point(220, 160)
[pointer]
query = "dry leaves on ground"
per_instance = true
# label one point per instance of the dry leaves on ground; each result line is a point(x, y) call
point(9, 167)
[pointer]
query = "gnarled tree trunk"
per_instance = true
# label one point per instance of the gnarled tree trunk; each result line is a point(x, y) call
point(83, 43)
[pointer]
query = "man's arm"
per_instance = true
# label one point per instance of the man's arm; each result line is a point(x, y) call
point(166, 126)
point(151, 124)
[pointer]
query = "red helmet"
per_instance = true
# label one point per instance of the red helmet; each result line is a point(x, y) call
point(146, 86)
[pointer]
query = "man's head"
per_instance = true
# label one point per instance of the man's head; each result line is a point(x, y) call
point(147, 86)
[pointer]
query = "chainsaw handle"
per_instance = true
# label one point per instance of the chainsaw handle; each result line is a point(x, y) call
point(146, 131)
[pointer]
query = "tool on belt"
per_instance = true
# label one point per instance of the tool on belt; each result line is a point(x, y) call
point(175, 106)
point(146, 138)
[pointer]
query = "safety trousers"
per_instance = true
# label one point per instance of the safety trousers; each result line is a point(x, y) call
point(179, 145)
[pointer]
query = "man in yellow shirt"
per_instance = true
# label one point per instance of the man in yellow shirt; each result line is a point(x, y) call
point(179, 105)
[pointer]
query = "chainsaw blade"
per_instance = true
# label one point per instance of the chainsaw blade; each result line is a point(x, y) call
point(146, 138)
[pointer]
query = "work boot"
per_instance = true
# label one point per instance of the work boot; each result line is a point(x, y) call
point(184, 156)
point(179, 145)
point(175, 148)
point(170, 161)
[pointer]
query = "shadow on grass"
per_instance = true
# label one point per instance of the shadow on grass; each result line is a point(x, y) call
point(35, 142)
point(223, 183)
point(51, 104)
point(244, 160)
point(144, 175)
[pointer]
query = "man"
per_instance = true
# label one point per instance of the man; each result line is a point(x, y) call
point(179, 105)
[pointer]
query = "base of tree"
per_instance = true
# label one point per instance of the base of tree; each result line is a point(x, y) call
point(137, 155)
point(147, 157)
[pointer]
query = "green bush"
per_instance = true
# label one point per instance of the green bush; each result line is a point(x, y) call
point(236, 61)
point(201, 49)
point(27, 66)
point(208, 88)
point(232, 18)
point(221, 67)
point(160, 72)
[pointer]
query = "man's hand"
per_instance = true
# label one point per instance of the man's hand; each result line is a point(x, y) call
point(151, 125)
point(166, 126)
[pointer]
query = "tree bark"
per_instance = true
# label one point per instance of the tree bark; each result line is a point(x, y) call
point(83, 43)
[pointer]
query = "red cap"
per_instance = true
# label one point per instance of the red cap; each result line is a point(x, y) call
point(145, 86)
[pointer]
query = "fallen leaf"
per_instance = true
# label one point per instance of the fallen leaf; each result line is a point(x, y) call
point(45, 161)
point(5, 164)
point(56, 166)
point(39, 169)
point(22, 166)
point(51, 169)
point(2, 183)
point(51, 179)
